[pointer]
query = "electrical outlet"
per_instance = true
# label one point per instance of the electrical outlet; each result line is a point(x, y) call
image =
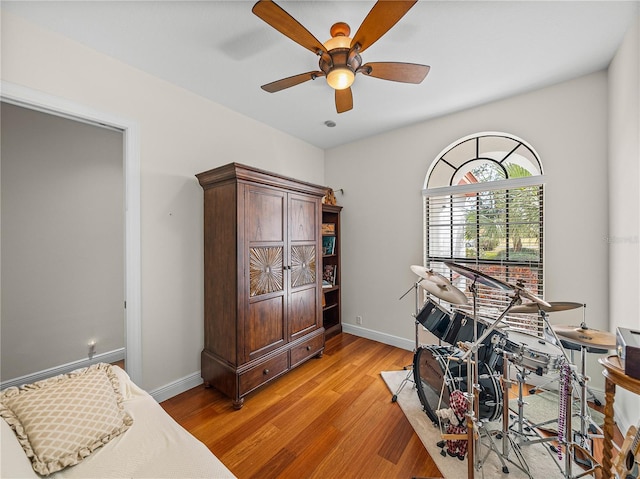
point(358, 319)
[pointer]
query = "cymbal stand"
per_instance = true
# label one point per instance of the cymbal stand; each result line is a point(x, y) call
point(474, 399)
point(585, 437)
point(568, 376)
point(508, 444)
point(409, 368)
point(581, 379)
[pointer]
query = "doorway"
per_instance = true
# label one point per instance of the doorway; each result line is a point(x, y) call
point(129, 239)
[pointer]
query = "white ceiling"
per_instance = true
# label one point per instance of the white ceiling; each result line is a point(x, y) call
point(479, 51)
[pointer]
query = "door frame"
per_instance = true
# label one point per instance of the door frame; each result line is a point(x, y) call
point(37, 100)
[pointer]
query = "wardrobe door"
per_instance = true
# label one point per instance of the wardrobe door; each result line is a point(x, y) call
point(304, 312)
point(265, 247)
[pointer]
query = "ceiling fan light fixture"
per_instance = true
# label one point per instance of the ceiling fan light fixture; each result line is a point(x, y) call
point(340, 78)
point(339, 41)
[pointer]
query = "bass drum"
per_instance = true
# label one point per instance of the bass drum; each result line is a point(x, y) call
point(431, 373)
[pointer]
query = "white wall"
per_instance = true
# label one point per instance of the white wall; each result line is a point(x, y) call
point(624, 200)
point(181, 135)
point(62, 241)
point(382, 222)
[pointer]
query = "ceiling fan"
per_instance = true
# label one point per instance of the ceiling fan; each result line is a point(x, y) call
point(340, 59)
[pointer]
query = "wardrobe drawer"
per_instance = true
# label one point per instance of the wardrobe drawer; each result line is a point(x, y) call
point(263, 373)
point(306, 349)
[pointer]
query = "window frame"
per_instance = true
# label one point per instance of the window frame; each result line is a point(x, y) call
point(493, 299)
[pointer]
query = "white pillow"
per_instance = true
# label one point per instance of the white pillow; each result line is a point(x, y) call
point(61, 420)
point(14, 463)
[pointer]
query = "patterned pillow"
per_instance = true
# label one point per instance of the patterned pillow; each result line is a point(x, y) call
point(61, 420)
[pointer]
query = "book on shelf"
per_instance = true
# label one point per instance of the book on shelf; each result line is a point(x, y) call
point(328, 245)
point(328, 228)
point(329, 275)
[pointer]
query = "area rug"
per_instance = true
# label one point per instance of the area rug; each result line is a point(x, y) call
point(539, 460)
point(542, 409)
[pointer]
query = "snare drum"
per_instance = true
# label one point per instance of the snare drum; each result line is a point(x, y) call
point(433, 377)
point(434, 318)
point(532, 352)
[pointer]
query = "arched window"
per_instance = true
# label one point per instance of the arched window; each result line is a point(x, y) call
point(483, 207)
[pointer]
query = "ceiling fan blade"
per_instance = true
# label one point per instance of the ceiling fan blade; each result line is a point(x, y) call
point(395, 71)
point(344, 100)
point(279, 19)
point(384, 15)
point(291, 81)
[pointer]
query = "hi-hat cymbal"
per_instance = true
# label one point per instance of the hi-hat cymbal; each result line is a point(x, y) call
point(446, 292)
point(585, 336)
point(478, 277)
point(429, 274)
point(554, 307)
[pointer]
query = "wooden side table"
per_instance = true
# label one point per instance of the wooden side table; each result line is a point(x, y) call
point(614, 375)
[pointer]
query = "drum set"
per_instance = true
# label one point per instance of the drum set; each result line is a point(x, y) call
point(475, 359)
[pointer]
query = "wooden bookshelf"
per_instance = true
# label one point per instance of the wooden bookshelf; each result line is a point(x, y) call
point(331, 309)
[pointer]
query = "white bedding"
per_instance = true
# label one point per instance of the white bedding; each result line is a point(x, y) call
point(154, 447)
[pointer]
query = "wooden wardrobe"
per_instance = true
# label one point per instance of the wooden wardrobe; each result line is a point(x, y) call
point(262, 277)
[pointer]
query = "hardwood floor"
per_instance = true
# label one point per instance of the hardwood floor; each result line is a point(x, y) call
point(329, 418)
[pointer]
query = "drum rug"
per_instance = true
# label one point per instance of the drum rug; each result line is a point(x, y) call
point(539, 460)
point(541, 410)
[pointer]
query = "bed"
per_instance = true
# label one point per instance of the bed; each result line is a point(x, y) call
point(148, 443)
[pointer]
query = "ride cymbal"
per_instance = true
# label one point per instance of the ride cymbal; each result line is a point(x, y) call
point(479, 277)
point(586, 336)
point(555, 306)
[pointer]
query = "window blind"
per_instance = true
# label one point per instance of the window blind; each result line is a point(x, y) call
point(495, 228)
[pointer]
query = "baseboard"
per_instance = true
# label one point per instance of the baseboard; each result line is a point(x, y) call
point(108, 357)
point(177, 387)
point(384, 338)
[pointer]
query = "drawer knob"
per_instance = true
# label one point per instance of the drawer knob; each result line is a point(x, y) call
point(308, 348)
point(265, 372)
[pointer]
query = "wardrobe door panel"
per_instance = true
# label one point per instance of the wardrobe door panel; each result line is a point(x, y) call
point(264, 326)
point(302, 312)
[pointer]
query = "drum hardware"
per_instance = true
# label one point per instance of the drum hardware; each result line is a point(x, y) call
point(588, 428)
point(523, 293)
point(508, 444)
point(471, 358)
point(471, 354)
point(525, 430)
point(414, 287)
point(575, 445)
point(440, 287)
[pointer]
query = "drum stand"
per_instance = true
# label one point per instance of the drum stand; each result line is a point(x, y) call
point(409, 368)
point(565, 435)
point(473, 388)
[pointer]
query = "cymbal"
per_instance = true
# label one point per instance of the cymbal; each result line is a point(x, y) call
point(585, 336)
point(519, 287)
point(429, 274)
point(448, 292)
point(535, 307)
point(479, 277)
